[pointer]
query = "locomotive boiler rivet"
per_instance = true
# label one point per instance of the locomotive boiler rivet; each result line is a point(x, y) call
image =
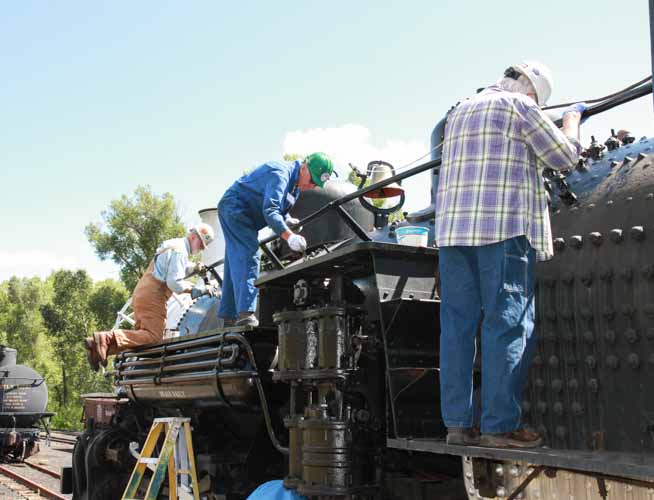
point(591, 362)
point(593, 385)
point(637, 233)
point(553, 361)
point(559, 244)
point(631, 335)
point(540, 383)
point(560, 432)
point(573, 384)
point(609, 336)
point(628, 310)
point(648, 272)
point(571, 360)
point(627, 274)
point(606, 275)
point(634, 360)
point(612, 362)
point(615, 235)
point(576, 241)
point(526, 406)
point(542, 407)
point(538, 361)
point(596, 238)
point(608, 313)
point(558, 408)
point(589, 336)
point(557, 385)
point(577, 409)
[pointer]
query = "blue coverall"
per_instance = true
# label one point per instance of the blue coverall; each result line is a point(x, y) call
point(256, 200)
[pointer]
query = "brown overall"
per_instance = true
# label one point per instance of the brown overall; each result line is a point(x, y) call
point(149, 305)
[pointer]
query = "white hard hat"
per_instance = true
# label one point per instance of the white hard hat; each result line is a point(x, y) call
point(540, 77)
point(205, 232)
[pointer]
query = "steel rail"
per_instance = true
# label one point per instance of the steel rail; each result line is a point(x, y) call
point(45, 470)
point(32, 485)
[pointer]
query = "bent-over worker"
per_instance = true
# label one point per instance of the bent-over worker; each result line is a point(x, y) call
point(258, 199)
point(163, 277)
point(492, 224)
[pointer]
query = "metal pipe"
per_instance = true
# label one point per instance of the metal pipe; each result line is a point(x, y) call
point(188, 377)
point(262, 395)
point(211, 363)
point(176, 357)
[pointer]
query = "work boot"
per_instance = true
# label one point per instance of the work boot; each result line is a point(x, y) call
point(522, 438)
point(462, 436)
point(103, 345)
point(247, 319)
point(91, 354)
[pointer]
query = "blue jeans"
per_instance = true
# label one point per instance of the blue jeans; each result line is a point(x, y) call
point(492, 284)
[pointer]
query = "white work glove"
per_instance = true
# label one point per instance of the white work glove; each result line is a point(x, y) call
point(297, 243)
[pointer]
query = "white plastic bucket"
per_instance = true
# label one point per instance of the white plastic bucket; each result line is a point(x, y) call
point(412, 235)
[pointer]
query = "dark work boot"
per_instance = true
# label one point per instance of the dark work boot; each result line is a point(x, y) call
point(247, 319)
point(462, 436)
point(103, 343)
point(522, 438)
point(91, 354)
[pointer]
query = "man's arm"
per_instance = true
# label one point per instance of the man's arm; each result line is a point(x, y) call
point(555, 148)
point(176, 273)
point(273, 202)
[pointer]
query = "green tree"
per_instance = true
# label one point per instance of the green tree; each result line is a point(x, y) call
point(292, 157)
point(132, 229)
point(106, 299)
point(20, 319)
point(69, 319)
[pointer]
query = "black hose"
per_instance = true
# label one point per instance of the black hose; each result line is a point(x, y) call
point(600, 99)
point(622, 98)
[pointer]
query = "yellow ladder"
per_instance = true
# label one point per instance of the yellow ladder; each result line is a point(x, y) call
point(165, 462)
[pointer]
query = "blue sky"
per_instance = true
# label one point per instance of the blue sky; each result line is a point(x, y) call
point(99, 97)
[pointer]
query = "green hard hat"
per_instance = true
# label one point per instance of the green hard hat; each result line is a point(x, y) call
point(320, 167)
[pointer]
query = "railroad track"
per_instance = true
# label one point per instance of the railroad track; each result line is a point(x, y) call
point(28, 487)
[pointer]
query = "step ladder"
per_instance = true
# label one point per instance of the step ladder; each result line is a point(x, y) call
point(166, 462)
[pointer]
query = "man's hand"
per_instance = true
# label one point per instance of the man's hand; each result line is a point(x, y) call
point(198, 291)
point(297, 243)
point(572, 111)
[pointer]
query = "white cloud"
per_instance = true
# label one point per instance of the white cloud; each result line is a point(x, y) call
point(33, 263)
point(352, 143)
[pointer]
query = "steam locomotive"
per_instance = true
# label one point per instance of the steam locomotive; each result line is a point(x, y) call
point(337, 390)
point(23, 401)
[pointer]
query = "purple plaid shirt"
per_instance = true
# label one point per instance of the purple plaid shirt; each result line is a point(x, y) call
point(490, 188)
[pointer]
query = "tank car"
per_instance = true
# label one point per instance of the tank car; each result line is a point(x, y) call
point(337, 390)
point(23, 402)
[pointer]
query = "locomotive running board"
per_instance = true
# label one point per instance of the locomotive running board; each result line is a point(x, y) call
point(634, 465)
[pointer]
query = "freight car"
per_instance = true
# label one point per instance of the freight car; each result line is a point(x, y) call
point(23, 401)
point(337, 390)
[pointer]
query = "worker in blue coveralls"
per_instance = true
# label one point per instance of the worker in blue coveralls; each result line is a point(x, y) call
point(258, 199)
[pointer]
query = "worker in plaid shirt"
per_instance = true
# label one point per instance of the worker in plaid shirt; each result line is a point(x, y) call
point(492, 224)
